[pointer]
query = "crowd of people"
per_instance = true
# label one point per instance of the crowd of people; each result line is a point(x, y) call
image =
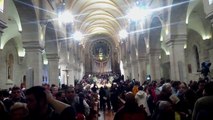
point(129, 100)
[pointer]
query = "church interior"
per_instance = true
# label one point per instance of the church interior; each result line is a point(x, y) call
point(103, 42)
point(61, 41)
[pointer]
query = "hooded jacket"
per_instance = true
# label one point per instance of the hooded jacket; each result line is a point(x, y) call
point(141, 98)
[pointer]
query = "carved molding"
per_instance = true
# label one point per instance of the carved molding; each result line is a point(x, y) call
point(177, 40)
point(31, 46)
point(178, 37)
point(52, 56)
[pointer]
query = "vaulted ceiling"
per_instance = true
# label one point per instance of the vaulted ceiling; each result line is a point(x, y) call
point(100, 17)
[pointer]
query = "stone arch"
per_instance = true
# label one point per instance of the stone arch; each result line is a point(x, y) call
point(155, 34)
point(178, 16)
point(123, 51)
point(196, 56)
point(197, 20)
point(132, 35)
point(11, 70)
point(88, 45)
point(51, 46)
point(50, 74)
point(194, 41)
point(141, 45)
point(28, 17)
point(10, 62)
point(165, 64)
point(12, 43)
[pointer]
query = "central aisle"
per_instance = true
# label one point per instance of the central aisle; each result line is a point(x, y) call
point(107, 115)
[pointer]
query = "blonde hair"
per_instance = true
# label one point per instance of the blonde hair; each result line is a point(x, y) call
point(18, 105)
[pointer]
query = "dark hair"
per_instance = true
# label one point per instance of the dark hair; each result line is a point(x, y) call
point(5, 93)
point(38, 92)
point(15, 88)
point(209, 88)
point(201, 81)
point(140, 88)
point(80, 105)
point(69, 89)
point(59, 94)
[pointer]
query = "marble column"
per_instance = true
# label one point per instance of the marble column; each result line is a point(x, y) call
point(3, 73)
point(79, 74)
point(75, 73)
point(71, 74)
point(129, 71)
point(154, 64)
point(125, 69)
point(135, 72)
point(0, 35)
point(82, 70)
point(210, 17)
point(2, 27)
point(53, 72)
point(177, 57)
point(64, 73)
point(142, 69)
point(34, 63)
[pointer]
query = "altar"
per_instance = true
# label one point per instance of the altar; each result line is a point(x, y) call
point(101, 62)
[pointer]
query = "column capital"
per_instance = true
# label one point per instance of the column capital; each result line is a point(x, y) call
point(142, 58)
point(31, 46)
point(177, 40)
point(178, 37)
point(134, 62)
point(52, 56)
point(155, 52)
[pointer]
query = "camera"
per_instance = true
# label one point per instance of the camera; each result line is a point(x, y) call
point(148, 77)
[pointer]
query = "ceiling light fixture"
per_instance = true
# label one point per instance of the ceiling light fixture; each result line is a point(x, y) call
point(123, 34)
point(65, 17)
point(78, 36)
point(138, 13)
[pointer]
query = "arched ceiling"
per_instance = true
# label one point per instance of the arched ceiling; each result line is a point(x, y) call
point(95, 17)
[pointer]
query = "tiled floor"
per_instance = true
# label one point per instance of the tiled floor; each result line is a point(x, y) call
point(107, 115)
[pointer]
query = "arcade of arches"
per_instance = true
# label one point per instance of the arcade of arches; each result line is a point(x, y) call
point(171, 42)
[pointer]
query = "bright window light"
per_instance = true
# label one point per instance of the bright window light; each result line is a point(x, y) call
point(121, 67)
point(210, 2)
point(66, 17)
point(78, 36)
point(123, 34)
point(161, 38)
point(21, 52)
point(137, 13)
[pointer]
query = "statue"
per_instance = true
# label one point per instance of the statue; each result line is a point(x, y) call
point(100, 54)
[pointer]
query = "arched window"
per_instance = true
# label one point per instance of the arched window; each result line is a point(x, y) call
point(196, 55)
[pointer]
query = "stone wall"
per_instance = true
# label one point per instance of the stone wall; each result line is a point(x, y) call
point(18, 67)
